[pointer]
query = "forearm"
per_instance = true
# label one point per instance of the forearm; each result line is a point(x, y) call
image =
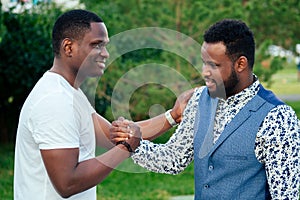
point(170, 158)
point(154, 127)
point(101, 126)
point(89, 173)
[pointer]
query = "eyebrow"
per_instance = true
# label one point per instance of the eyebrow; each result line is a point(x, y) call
point(100, 42)
point(211, 62)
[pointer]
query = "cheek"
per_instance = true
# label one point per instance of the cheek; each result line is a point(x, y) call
point(88, 59)
point(225, 74)
point(218, 75)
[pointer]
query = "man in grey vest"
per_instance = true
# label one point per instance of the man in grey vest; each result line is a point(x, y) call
point(244, 141)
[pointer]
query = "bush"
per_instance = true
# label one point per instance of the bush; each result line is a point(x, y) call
point(26, 54)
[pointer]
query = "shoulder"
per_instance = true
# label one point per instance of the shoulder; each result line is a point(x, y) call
point(197, 93)
point(193, 102)
point(283, 111)
point(281, 121)
point(269, 96)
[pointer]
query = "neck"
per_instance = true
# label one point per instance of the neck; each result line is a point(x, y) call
point(243, 84)
point(67, 73)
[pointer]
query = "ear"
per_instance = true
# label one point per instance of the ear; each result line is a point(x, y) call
point(241, 64)
point(67, 47)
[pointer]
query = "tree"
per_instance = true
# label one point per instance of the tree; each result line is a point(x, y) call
point(190, 18)
point(167, 50)
point(26, 54)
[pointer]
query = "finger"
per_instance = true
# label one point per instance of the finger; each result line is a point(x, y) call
point(121, 118)
point(119, 134)
point(118, 129)
point(135, 130)
point(119, 137)
point(115, 140)
point(118, 123)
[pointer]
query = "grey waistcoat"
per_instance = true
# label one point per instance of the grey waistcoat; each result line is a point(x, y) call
point(229, 169)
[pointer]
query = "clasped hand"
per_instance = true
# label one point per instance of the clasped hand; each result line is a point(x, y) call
point(125, 130)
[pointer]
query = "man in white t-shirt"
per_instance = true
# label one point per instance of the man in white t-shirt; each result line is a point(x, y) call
point(59, 129)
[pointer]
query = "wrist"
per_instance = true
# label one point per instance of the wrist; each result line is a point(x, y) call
point(170, 118)
point(175, 116)
point(126, 145)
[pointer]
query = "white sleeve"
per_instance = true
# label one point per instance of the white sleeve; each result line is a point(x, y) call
point(53, 122)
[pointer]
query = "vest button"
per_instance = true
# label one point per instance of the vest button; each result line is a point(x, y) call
point(210, 168)
point(206, 186)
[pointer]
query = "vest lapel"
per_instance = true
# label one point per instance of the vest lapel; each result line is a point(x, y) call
point(209, 136)
point(252, 106)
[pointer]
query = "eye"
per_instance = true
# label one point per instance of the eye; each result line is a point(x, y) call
point(98, 46)
point(212, 65)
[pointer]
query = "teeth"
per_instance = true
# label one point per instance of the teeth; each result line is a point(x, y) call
point(209, 82)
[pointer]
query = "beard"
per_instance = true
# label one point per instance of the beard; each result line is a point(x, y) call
point(227, 87)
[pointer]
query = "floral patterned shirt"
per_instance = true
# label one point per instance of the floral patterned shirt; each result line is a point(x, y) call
point(277, 143)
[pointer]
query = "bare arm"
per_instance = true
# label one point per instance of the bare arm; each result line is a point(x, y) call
point(154, 127)
point(102, 126)
point(70, 177)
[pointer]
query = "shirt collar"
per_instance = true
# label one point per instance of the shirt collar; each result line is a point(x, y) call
point(246, 94)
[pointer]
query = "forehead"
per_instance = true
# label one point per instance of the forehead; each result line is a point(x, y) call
point(98, 32)
point(213, 51)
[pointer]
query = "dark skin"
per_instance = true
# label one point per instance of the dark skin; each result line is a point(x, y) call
point(66, 173)
point(151, 128)
point(77, 61)
point(223, 78)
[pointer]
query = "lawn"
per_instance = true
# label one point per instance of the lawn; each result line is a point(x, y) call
point(285, 81)
point(131, 182)
point(127, 182)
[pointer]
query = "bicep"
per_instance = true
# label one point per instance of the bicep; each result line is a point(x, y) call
point(60, 164)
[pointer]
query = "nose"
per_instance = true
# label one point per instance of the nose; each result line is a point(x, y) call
point(206, 70)
point(104, 53)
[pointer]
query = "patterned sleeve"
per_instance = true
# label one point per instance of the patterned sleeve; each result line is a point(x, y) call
point(278, 147)
point(175, 155)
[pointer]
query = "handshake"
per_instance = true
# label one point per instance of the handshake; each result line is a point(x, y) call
point(128, 133)
point(125, 132)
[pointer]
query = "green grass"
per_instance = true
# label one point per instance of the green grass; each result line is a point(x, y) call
point(285, 81)
point(146, 186)
point(6, 172)
point(127, 182)
point(131, 182)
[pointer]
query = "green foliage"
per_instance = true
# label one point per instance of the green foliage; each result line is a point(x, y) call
point(26, 54)
point(275, 20)
point(267, 65)
point(29, 54)
point(190, 18)
point(296, 106)
point(25, 49)
point(2, 28)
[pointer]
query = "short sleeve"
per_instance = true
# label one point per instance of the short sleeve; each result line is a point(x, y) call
point(53, 122)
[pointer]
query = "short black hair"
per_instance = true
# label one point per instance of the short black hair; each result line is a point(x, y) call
point(236, 36)
point(72, 24)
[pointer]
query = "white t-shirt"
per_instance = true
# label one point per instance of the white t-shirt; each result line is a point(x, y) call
point(55, 115)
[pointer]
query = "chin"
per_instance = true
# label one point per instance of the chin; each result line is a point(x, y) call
point(217, 93)
point(97, 73)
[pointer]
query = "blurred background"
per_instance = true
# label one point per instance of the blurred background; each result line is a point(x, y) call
point(26, 53)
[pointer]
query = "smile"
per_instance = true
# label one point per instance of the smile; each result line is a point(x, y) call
point(209, 82)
